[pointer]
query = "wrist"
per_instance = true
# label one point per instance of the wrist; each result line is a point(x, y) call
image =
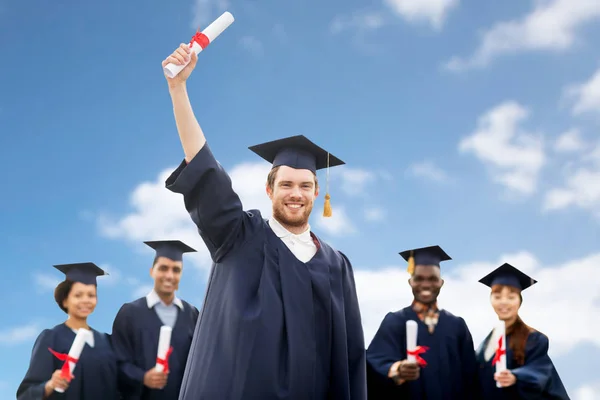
point(177, 88)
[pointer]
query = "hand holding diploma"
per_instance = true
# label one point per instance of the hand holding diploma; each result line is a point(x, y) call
point(61, 378)
point(156, 378)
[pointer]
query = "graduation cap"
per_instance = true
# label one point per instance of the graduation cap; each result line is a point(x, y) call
point(431, 255)
point(85, 273)
point(508, 275)
point(298, 152)
point(172, 249)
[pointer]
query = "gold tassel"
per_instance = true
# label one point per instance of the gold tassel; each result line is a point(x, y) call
point(327, 206)
point(411, 264)
point(327, 212)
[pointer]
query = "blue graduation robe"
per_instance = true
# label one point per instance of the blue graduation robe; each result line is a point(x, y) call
point(536, 379)
point(272, 327)
point(95, 375)
point(450, 373)
point(135, 334)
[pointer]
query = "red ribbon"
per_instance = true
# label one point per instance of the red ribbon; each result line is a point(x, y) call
point(499, 352)
point(165, 361)
point(201, 39)
point(419, 350)
point(66, 369)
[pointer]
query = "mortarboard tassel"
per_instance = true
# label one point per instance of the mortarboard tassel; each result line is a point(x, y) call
point(327, 212)
point(411, 264)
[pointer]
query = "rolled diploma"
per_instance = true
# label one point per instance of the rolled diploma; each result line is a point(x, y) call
point(501, 333)
point(211, 32)
point(76, 348)
point(164, 342)
point(411, 339)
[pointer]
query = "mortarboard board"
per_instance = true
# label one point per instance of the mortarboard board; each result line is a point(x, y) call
point(172, 249)
point(508, 275)
point(299, 152)
point(431, 255)
point(85, 273)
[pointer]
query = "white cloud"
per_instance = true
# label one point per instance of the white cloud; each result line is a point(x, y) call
point(513, 155)
point(552, 25)
point(581, 187)
point(141, 291)
point(586, 95)
point(433, 12)
point(374, 214)
point(45, 282)
point(158, 214)
point(353, 180)
point(428, 170)
point(19, 334)
point(361, 21)
point(252, 45)
point(569, 142)
point(206, 11)
point(588, 392)
point(386, 289)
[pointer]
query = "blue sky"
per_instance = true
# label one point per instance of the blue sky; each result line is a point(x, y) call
point(472, 125)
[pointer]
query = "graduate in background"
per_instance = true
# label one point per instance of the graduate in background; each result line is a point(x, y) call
point(136, 329)
point(95, 374)
point(281, 317)
point(450, 370)
point(530, 373)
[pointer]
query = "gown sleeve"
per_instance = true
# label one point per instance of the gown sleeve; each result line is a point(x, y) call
point(210, 200)
point(41, 368)
point(534, 375)
point(386, 347)
point(468, 363)
point(356, 340)
point(130, 375)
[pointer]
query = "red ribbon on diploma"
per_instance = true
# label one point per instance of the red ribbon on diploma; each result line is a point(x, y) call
point(418, 350)
point(165, 361)
point(66, 369)
point(201, 39)
point(499, 352)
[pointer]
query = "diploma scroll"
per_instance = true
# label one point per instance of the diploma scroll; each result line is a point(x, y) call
point(83, 336)
point(500, 356)
point(411, 340)
point(201, 40)
point(164, 349)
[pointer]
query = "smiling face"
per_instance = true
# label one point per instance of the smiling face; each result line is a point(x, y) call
point(506, 301)
point(292, 193)
point(81, 300)
point(166, 274)
point(426, 283)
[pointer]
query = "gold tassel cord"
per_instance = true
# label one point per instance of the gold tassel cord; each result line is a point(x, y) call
point(327, 212)
point(411, 264)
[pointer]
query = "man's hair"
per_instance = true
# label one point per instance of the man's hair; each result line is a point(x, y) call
point(273, 174)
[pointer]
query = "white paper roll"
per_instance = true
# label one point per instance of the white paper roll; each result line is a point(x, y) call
point(500, 337)
point(164, 342)
point(83, 336)
point(411, 339)
point(211, 32)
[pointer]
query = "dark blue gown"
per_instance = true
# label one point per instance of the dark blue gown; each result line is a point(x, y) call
point(135, 334)
point(272, 327)
point(536, 379)
point(95, 375)
point(450, 373)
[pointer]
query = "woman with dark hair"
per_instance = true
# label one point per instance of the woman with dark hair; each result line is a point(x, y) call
point(95, 374)
point(530, 373)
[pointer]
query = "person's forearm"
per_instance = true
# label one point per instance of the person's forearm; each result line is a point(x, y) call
point(191, 135)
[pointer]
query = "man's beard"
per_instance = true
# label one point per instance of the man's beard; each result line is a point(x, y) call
point(295, 221)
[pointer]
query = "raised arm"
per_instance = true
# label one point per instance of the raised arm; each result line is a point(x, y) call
point(207, 189)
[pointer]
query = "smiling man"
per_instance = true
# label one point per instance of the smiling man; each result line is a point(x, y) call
point(281, 317)
point(136, 329)
point(446, 366)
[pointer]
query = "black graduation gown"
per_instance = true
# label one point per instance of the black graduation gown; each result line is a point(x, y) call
point(272, 327)
point(536, 379)
point(95, 375)
point(136, 330)
point(450, 373)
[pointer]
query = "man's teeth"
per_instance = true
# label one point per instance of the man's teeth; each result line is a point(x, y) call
point(294, 205)
point(426, 292)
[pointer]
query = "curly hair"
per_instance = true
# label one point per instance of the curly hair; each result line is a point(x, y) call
point(62, 292)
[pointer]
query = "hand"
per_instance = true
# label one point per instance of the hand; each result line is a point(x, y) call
point(56, 382)
point(155, 379)
point(179, 57)
point(505, 378)
point(403, 371)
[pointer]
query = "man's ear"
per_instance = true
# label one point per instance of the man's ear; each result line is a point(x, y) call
point(442, 284)
point(269, 191)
